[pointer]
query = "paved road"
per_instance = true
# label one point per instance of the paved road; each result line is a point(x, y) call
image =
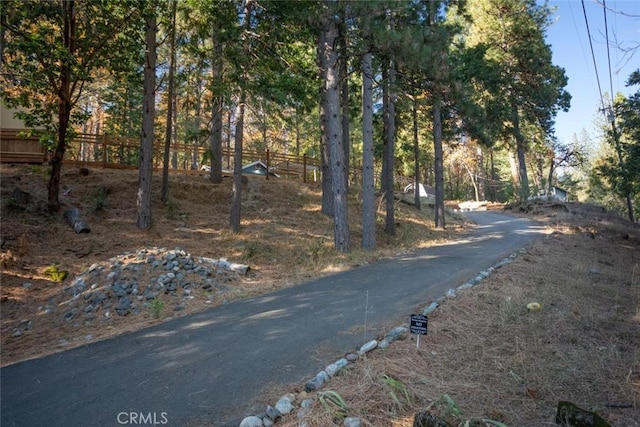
point(212, 365)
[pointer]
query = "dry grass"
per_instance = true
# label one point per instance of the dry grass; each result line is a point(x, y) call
point(484, 350)
point(285, 239)
point(496, 360)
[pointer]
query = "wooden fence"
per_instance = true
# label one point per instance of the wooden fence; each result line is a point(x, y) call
point(116, 152)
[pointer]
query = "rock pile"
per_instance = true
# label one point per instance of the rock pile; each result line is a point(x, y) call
point(132, 283)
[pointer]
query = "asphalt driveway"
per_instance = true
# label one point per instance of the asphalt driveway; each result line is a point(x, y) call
point(211, 367)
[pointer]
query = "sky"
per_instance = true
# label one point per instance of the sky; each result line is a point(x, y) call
point(569, 42)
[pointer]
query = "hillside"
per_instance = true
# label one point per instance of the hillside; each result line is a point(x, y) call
point(285, 239)
point(485, 354)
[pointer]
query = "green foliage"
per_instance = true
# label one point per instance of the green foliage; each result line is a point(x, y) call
point(100, 198)
point(398, 392)
point(316, 249)
point(250, 250)
point(447, 409)
point(171, 209)
point(333, 403)
point(55, 274)
point(155, 308)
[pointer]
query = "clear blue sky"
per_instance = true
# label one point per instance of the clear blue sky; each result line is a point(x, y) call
point(571, 50)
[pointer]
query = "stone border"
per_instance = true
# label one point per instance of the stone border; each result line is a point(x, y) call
point(286, 404)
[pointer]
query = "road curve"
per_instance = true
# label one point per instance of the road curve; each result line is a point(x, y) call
point(209, 368)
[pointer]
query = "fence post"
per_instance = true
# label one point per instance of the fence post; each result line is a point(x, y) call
point(104, 150)
point(304, 168)
point(267, 163)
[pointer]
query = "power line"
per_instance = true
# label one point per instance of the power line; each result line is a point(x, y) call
point(593, 56)
point(606, 33)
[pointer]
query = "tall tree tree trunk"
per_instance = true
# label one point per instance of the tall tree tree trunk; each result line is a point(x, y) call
point(344, 93)
point(198, 126)
point(388, 159)
point(494, 178)
point(480, 175)
point(174, 136)
point(523, 191)
point(148, 117)
point(64, 105)
point(416, 155)
point(327, 200)
point(170, 95)
point(337, 162)
point(216, 113)
point(236, 198)
point(513, 166)
point(439, 167)
point(368, 188)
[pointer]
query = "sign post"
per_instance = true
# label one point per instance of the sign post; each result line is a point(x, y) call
point(418, 325)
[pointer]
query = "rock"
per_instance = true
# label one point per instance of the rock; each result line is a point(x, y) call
point(431, 308)
point(251, 421)
point(352, 422)
point(396, 333)
point(570, 415)
point(367, 347)
point(316, 382)
point(123, 306)
point(71, 314)
point(273, 413)
point(16, 333)
point(285, 404)
point(351, 357)
point(26, 324)
point(333, 368)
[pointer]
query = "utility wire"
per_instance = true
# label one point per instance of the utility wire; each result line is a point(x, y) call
point(593, 56)
point(606, 33)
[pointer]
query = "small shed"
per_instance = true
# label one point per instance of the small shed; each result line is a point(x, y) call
point(559, 194)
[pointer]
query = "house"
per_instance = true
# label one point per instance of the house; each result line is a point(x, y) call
point(556, 193)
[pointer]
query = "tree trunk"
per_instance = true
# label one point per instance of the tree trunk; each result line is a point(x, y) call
point(523, 190)
point(64, 106)
point(170, 95)
point(236, 198)
point(368, 189)
point(337, 162)
point(327, 200)
point(389, 151)
point(216, 114)
point(494, 180)
point(513, 166)
point(480, 174)
point(416, 156)
point(146, 142)
point(439, 167)
point(148, 116)
point(344, 93)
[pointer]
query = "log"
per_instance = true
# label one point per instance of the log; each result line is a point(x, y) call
point(72, 216)
point(228, 266)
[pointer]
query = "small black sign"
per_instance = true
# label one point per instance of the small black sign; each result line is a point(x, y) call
point(418, 324)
